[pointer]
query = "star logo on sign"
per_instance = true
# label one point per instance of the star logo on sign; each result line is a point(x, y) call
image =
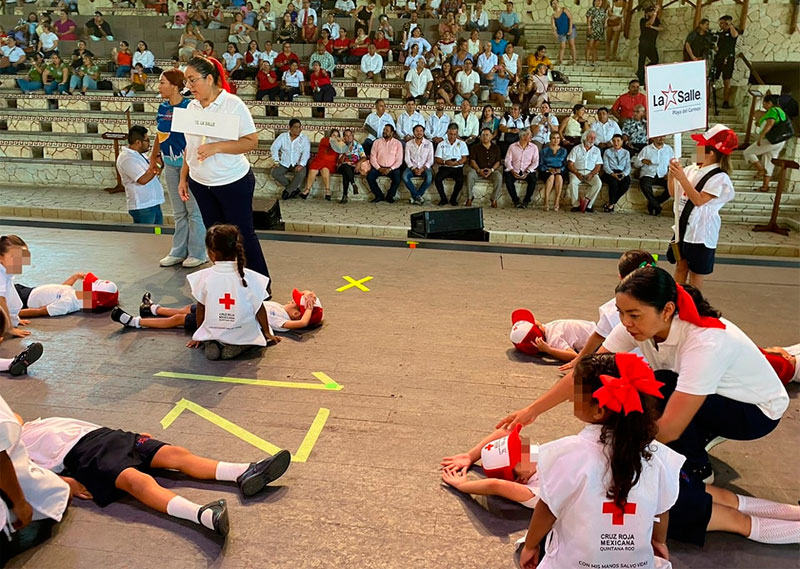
point(670, 94)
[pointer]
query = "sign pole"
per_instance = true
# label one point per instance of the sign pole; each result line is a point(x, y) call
point(676, 144)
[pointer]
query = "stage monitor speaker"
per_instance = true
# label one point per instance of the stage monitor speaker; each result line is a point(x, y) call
point(270, 219)
point(465, 224)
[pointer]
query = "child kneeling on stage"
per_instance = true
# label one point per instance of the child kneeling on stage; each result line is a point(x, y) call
point(230, 315)
point(509, 463)
point(58, 299)
point(103, 464)
point(561, 339)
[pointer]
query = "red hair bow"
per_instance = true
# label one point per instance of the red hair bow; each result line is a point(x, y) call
point(687, 311)
point(622, 393)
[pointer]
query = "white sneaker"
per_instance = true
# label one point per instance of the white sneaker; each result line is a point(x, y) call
point(169, 261)
point(192, 262)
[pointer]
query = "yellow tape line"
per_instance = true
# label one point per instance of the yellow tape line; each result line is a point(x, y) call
point(303, 451)
point(327, 382)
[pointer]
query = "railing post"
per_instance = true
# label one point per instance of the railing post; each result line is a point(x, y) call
point(698, 12)
point(754, 96)
point(743, 18)
point(776, 205)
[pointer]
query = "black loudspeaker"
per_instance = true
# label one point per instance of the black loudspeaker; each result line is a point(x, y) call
point(269, 220)
point(463, 224)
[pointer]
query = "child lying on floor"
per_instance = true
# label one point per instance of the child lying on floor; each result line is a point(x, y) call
point(561, 339)
point(103, 464)
point(509, 463)
point(59, 299)
point(784, 362)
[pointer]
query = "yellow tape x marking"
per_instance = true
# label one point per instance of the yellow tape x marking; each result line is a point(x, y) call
point(303, 451)
point(327, 383)
point(354, 283)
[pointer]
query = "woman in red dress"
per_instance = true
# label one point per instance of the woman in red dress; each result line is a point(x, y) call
point(323, 163)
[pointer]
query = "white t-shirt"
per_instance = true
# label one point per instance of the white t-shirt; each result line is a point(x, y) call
point(293, 79)
point(230, 307)
point(59, 299)
point(711, 360)
point(589, 530)
point(9, 292)
point(133, 165)
point(568, 334)
point(276, 315)
point(47, 494)
point(546, 125)
point(704, 221)
point(466, 82)
point(49, 440)
point(231, 59)
point(608, 318)
point(219, 169)
point(48, 41)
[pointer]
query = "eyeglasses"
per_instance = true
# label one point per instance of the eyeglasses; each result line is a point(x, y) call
point(191, 81)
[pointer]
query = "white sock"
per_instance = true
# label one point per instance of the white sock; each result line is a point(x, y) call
point(154, 309)
point(230, 471)
point(136, 322)
point(768, 509)
point(184, 509)
point(765, 530)
point(130, 321)
point(5, 363)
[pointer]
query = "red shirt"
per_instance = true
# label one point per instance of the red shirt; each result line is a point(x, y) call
point(343, 43)
point(319, 79)
point(282, 61)
point(266, 81)
point(329, 46)
point(124, 58)
point(60, 28)
point(360, 50)
point(382, 45)
point(625, 103)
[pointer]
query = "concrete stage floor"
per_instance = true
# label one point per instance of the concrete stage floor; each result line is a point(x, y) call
point(426, 369)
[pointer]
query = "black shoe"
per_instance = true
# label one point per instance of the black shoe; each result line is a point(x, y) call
point(589, 210)
point(453, 201)
point(519, 205)
point(576, 209)
point(656, 211)
point(259, 474)
point(294, 193)
point(327, 197)
point(443, 201)
point(389, 200)
point(304, 196)
point(116, 315)
point(375, 200)
point(19, 365)
point(144, 307)
point(219, 517)
point(525, 203)
point(212, 349)
point(284, 195)
point(343, 200)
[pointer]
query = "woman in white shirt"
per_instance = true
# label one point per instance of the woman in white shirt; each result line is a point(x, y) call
point(216, 170)
point(717, 382)
point(234, 62)
point(511, 61)
point(144, 56)
point(700, 191)
point(48, 41)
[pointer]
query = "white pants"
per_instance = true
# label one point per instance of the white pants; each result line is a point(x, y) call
point(594, 189)
point(767, 152)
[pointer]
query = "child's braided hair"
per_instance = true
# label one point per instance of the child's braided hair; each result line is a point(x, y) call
point(225, 242)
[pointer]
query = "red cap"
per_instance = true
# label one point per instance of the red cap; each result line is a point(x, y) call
point(524, 331)
point(104, 294)
point(316, 312)
point(719, 137)
point(499, 457)
point(781, 365)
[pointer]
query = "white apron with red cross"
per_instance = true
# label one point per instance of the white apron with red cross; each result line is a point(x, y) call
point(591, 531)
point(230, 307)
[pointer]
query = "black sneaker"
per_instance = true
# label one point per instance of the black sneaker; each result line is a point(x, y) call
point(219, 517)
point(576, 209)
point(19, 365)
point(443, 201)
point(117, 314)
point(259, 474)
point(375, 200)
point(144, 307)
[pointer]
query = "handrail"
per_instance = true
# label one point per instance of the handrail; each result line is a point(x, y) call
point(750, 67)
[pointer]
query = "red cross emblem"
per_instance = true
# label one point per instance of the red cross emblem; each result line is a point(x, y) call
point(489, 446)
point(227, 301)
point(617, 513)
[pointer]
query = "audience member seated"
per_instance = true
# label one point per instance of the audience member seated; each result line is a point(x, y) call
point(33, 81)
point(604, 129)
point(190, 39)
point(408, 27)
point(634, 131)
point(267, 84)
point(239, 32)
point(85, 77)
point(489, 120)
point(233, 62)
point(65, 28)
point(543, 124)
point(290, 152)
point(292, 83)
point(419, 162)
point(144, 56)
point(499, 89)
point(449, 26)
point(359, 47)
point(48, 41)
point(215, 17)
point(197, 14)
point(137, 85)
point(437, 122)
point(510, 23)
point(460, 56)
point(486, 64)
point(408, 119)
point(386, 158)
point(285, 58)
point(324, 58)
point(209, 50)
point(521, 163)
point(385, 27)
point(56, 76)
point(466, 122)
point(122, 58)
point(478, 18)
point(288, 30)
point(322, 90)
point(308, 22)
point(484, 163)
point(552, 169)
point(341, 47)
point(413, 58)
point(616, 172)
point(451, 155)
point(573, 126)
point(324, 163)
point(78, 53)
point(180, 18)
point(252, 59)
point(382, 46)
point(344, 8)
point(511, 126)
point(446, 46)
point(474, 44)
point(265, 19)
point(540, 84)
point(97, 28)
point(654, 163)
point(625, 104)
point(418, 83)
point(417, 39)
point(12, 57)
point(352, 160)
point(510, 61)
point(584, 164)
point(539, 57)
point(468, 84)
point(371, 64)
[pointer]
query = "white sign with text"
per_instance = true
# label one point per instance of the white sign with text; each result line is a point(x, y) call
point(203, 123)
point(676, 98)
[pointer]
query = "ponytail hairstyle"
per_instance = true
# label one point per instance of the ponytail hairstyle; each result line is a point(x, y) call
point(626, 435)
point(225, 242)
point(655, 287)
point(206, 66)
point(724, 160)
point(7, 242)
point(634, 259)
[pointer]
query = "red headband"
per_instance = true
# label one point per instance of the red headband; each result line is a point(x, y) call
point(223, 76)
point(622, 393)
point(687, 311)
